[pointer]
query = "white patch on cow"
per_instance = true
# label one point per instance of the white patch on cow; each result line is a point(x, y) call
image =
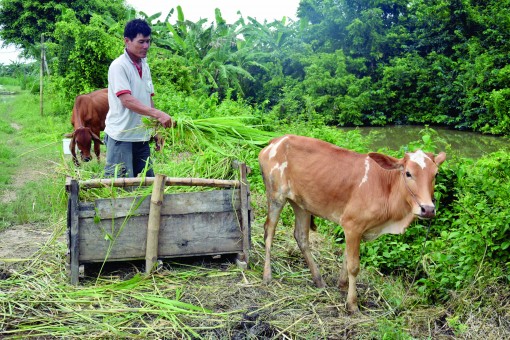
point(279, 167)
point(367, 168)
point(390, 227)
point(274, 147)
point(282, 168)
point(419, 158)
point(274, 168)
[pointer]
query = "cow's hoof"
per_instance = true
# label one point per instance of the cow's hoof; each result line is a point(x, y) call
point(320, 283)
point(352, 309)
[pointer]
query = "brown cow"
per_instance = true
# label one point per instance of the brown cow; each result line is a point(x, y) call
point(367, 194)
point(88, 119)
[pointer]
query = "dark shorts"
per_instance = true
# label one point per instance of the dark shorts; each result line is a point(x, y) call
point(127, 159)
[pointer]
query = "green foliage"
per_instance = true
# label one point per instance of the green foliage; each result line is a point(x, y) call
point(429, 62)
point(23, 75)
point(327, 88)
point(476, 243)
point(214, 54)
point(23, 21)
point(6, 156)
point(170, 72)
point(84, 53)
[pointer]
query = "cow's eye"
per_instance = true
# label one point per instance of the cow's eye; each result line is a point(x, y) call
point(408, 174)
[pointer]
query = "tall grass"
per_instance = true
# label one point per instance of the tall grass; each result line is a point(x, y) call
point(9, 81)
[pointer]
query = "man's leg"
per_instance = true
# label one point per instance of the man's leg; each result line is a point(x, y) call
point(141, 159)
point(118, 155)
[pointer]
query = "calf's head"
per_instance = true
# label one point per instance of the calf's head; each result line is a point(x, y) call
point(418, 171)
point(82, 138)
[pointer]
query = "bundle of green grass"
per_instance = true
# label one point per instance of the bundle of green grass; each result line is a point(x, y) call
point(224, 134)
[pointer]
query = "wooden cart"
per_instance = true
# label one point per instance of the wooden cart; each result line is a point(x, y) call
point(214, 222)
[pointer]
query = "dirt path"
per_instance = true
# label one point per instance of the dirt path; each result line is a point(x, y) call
point(20, 242)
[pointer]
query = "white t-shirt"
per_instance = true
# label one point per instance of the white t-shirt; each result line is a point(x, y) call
point(121, 123)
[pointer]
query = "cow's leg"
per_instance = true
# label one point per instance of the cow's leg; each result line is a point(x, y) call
point(351, 262)
point(274, 208)
point(301, 233)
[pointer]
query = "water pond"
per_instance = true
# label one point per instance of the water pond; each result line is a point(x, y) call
point(463, 143)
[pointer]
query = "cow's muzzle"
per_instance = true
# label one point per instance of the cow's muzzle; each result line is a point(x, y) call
point(427, 211)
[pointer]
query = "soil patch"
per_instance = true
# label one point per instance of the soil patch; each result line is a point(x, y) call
point(21, 242)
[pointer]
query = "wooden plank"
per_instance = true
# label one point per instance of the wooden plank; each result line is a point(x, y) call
point(74, 241)
point(179, 203)
point(201, 233)
point(180, 235)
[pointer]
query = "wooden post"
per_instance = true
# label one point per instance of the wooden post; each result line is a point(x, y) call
point(74, 241)
point(151, 252)
point(41, 74)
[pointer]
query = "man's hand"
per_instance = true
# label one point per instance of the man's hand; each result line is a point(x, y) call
point(165, 119)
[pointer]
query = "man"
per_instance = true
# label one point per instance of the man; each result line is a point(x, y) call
point(130, 92)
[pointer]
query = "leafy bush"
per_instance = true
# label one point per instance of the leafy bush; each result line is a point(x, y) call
point(477, 240)
point(83, 54)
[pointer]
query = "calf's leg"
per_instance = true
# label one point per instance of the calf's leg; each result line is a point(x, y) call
point(301, 234)
point(343, 281)
point(274, 208)
point(351, 263)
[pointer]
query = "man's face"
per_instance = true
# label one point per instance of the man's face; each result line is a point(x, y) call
point(139, 46)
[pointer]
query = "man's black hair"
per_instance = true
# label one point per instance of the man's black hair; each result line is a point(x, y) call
point(136, 26)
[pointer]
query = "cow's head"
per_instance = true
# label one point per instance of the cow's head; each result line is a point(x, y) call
point(418, 171)
point(82, 138)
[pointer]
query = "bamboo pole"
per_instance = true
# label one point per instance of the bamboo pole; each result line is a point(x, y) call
point(151, 252)
point(245, 219)
point(41, 74)
point(130, 182)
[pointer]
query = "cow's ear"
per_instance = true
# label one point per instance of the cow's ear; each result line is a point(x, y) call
point(69, 135)
point(440, 158)
point(95, 137)
point(386, 162)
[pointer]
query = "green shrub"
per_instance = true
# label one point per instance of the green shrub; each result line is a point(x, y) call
point(469, 238)
point(477, 240)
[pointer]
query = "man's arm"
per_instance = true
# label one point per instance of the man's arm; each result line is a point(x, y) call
point(135, 105)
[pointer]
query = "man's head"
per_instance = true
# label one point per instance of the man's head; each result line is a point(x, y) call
point(137, 37)
point(135, 27)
